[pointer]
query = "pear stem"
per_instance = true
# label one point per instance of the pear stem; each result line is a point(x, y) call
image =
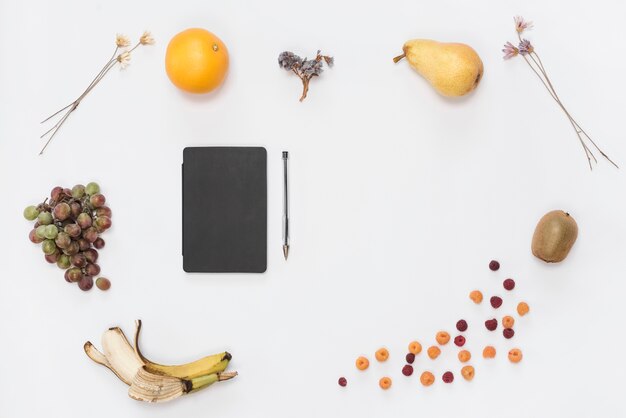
point(399, 57)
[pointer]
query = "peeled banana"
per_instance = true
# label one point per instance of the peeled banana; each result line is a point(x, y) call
point(153, 382)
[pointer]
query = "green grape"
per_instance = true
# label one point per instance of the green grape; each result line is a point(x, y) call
point(92, 188)
point(74, 274)
point(48, 247)
point(63, 261)
point(31, 213)
point(51, 231)
point(40, 231)
point(78, 191)
point(103, 283)
point(44, 218)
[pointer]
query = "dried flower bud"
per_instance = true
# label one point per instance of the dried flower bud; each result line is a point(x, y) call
point(124, 59)
point(122, 41)
point(525, 47)
point(288, 60)
point(146, 39)
point(521, 25)
point(510, 51)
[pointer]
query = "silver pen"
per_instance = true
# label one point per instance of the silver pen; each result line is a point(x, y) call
point(285, 207)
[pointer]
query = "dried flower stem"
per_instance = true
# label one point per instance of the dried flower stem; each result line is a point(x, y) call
point(118, 57)
point(303, 68)
point(527, 51)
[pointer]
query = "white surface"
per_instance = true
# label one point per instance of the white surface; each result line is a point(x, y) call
point(399, 200)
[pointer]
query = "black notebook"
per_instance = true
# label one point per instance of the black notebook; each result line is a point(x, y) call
point(225, 209)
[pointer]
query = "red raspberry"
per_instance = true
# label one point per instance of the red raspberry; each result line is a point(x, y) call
point(509, 284)
point(461, 325)
point(508, 333)
point(494, 265)
point(491, 324)
point(447, 377)
point(407, 370)
point(496, 301)
point(410, 358)
point(459, 340)
point(342, 382)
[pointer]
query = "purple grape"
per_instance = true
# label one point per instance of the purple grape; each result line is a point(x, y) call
point(83, 244)
point(78, 260)
point(92, 269)
point(62, 211)
point(104, 211)
point(63, 240)
point(84, 220)
point(90, 234)
point(97, 200)
point(52, 258)
point(72, 249)
point(99, 243)
point(103, 223)
point(86, 283)
point(76, 209)
point(35, 239)
point(74, 274)
point(73, 230)
point(56, 193)
point(91, 255)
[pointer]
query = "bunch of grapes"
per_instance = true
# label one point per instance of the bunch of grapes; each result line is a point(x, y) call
point(68, 227)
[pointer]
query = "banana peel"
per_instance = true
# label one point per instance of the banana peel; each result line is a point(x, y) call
point(153, 382)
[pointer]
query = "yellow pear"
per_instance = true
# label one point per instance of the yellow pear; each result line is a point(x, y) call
point(453, 69)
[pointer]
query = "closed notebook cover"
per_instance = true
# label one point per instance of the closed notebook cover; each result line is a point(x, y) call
point(225, 209)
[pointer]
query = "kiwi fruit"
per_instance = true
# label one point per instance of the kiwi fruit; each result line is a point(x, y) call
point(554, 236)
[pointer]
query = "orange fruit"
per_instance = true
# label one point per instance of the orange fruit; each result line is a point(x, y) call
point(382, 354)
point(196, 61)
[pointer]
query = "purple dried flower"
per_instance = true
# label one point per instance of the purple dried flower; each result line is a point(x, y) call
point(304, 68)
point(288, 60)
point(525, 47)
point(510, 51)
point(521, 25)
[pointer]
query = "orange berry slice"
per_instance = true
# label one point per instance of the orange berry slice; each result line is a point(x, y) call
point(427, 378)
point(489, 352)
point(467, 372)
point(433, 352)
point(515, 355)
point(415, 347)
point(382, 354)
point(464, 356)
point(442, 337)
point(384, 383)
point(522, 308)
point(476, 296)
point(362, 363)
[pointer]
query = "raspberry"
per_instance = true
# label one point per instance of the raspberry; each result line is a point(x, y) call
point(407, 370)
point(410, 358)
point(496, 301)
point(461, 325)
point(459, 340)
point(509, 284)
point(508, 333)
point(342, 382)
point(494, 265)
point(491, 324)
point(447, 377)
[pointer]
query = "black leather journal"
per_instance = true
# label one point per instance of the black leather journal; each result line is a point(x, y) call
point(224, 209)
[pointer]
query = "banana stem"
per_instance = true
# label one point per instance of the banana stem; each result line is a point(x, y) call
point(399, 57)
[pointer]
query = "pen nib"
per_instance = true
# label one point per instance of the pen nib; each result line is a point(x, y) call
point(286, 251)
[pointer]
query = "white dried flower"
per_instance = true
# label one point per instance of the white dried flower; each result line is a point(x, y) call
point(122, 41)
point(146, 38)
point(124, 59)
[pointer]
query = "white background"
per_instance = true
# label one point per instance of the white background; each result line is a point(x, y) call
point(399, 200)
